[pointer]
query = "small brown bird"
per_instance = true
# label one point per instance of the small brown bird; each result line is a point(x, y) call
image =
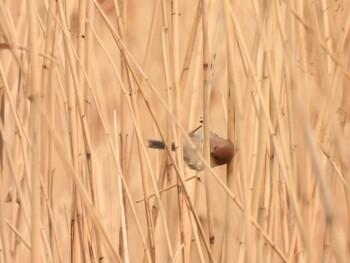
point(221, 150)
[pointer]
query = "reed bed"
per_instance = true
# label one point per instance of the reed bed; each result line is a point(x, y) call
point(83, 86)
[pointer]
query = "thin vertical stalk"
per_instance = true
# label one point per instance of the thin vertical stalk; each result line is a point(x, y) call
point(5, 244)
point(35, 96)
point(184, 222)
point(240, 134)
point(206, 112)
point(121, 200)
point(190, 46)
point(231, 117)
point(144, 173)
point(85, 232)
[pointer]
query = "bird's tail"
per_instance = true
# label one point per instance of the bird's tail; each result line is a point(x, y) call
point(159, 145)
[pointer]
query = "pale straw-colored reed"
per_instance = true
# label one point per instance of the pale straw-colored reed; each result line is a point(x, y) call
point(83, 86)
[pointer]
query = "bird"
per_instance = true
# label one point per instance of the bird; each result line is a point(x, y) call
point(221, 150)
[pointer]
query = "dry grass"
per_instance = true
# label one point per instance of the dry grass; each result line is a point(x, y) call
point(83, 86)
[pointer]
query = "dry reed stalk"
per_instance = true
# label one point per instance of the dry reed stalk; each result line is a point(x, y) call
point(197, 242)
point(74, 155)
point(2, 117)
point(194, 114)
point(35, 94)
point(5, 245)
point(18, 188)
point(20, 128)
point(74, 78)
point(269, 57)
point(164, 166)
point(171, 199)
point(151, 35)
point(22, 216)
point(259, 191)
point(124, 154)
point(262, 132)
point(9, 33)
point(121, 200)
point(13, 228)
point(192, 121)
point(88, 36)
point(168, 97)
point(75, 251)
point(301, 183)
point(206, 142)
point(272, 215)
point(161, 190)
point(145, 64)
point(170, 132)
point(46, 100)
point(190, 46)
point(231, 117)
point(54, 243)
point(70, 58)
point(185, 231)
point(240, 135)
point(82, 54)
point(51, 103)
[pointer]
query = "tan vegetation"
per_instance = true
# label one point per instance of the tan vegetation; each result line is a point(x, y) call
point(83, 86)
